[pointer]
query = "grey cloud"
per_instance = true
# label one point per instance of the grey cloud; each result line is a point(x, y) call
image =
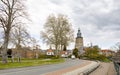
point(96, 18)
point(101, 20)
point(57, 2)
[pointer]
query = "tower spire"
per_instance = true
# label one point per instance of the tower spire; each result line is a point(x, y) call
point(79, 33)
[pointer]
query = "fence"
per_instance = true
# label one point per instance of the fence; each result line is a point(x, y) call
point(117, 67)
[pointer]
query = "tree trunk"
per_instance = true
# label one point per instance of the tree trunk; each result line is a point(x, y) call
point(56, 51)
point(4, 56)
point(19, 54)
point(4, 49)
point(19, 59)
point(12, 59)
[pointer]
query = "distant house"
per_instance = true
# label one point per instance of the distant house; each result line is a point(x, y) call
point(50, 52)
point(25, 52)
point(64, 54)
point(69, 52)
point(107, 52)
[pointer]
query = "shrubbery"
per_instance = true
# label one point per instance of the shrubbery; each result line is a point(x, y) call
point(43, 56)
point(98, 57)
point(92, 53)
point(75, 52)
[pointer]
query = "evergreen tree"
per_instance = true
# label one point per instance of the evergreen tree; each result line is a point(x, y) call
point(75, 52)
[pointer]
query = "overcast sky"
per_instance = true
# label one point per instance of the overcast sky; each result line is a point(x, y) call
point(99, 20)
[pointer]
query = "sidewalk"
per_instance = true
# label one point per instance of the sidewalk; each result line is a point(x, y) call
point(111, 70)
point(104, 69)
point(64, 71)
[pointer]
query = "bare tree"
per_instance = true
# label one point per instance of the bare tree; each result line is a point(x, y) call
point(65, 31)
point(116, 47)
point(20, 37)
point(11, 12)
point(1, 39)
point(34, 42)
point(58, 32)
point(35, 46)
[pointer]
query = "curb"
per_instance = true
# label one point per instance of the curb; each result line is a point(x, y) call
point(84, 70)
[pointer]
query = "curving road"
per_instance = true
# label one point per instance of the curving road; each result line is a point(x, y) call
point(39, 70)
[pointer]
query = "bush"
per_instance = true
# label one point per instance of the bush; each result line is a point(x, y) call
point(42, 56)
point(98, 57)
point(69, 56)
point(56, 57)
point(75, 52)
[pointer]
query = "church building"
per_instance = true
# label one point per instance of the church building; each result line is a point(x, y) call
point(79, 42)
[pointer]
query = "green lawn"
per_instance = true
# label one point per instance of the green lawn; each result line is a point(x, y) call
point(30, 62)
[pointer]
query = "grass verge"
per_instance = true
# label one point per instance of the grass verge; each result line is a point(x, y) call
point(33, 62)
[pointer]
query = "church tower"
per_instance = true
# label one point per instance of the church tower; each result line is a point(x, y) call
point(79, 42)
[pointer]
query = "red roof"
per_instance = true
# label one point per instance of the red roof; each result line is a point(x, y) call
point(106, 50)
point(49, 50)
point(63, 52)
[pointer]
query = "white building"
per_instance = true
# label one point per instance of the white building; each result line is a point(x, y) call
point(50, 52)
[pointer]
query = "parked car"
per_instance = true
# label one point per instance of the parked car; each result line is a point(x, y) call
point(73, 56)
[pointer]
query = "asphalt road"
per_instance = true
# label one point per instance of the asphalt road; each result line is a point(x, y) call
point(41, 69)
